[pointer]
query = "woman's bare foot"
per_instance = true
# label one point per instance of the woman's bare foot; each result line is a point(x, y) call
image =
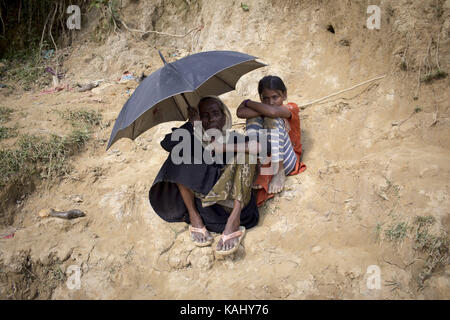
point(233, 224)
point(199, 237)
point(194, 216)
point(277, 182)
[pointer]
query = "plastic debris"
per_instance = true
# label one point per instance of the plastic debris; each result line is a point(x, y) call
point(53, 73)
point(47, 54)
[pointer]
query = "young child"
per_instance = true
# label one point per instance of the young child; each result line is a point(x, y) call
point(271, 114)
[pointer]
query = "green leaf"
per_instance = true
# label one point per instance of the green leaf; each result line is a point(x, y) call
point(244, 7)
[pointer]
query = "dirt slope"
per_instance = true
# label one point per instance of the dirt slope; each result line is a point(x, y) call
point(376, 159)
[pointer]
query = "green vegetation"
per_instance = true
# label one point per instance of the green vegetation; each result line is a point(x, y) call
point(378, 230)
point(435, 247)
point(34, 154)
point(397, 232)
point(109, 11)
point(435, 75)
point(244, 7)
point(4, 114)
point(47, 156)
point(6, 132)
point(25, 66)
point(83, 117)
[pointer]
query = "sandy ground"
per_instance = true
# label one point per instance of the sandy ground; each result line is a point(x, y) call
point(374, 161)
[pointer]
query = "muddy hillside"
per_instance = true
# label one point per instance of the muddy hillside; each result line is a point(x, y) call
point(373, 202)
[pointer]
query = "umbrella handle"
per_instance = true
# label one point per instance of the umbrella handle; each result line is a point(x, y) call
point(186, 100)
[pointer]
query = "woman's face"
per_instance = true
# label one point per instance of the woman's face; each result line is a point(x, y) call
point(273, 97)
point(211, 115)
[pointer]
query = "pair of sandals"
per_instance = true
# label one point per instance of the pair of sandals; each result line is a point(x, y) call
point(237, 234)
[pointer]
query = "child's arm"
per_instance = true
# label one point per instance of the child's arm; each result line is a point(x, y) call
point(244, 112)
point(251, 109)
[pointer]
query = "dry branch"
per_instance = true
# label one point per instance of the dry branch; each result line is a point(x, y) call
point(161, 33)
point(304, 105)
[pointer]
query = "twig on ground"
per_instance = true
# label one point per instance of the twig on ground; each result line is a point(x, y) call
point(436, 110)
point(437, 51)
point(416, 96)
point(428, 64)
point(161, 33)
point(393, 264)
point(304, 105)
point(403, 121)
point(358, 94)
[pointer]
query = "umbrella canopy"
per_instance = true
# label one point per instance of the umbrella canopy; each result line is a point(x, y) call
point(165, 94)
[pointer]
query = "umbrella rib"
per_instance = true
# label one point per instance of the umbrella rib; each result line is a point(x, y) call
point(232, 87)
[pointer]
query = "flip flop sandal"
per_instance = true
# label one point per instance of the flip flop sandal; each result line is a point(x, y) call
point(203, 231)
point(240, 233)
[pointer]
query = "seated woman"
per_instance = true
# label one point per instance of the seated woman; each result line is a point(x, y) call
point(199, 191)
point(271, 113)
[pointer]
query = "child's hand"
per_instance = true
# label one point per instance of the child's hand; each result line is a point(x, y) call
point(244, 103)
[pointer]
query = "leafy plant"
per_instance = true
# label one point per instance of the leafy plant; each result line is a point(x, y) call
point(78, 117)
point(244, 7)
point(6, 132)
point(397, 232)
point(4, 114)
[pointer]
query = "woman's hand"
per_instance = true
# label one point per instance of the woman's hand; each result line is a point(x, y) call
point(218, 147)
point(193, 114)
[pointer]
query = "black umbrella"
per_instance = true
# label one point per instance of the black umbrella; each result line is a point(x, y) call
point(166, 94)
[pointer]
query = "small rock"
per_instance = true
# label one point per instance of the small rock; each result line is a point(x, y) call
point(316, 249)
point(43, 213)
point(77, 198)
point(288, 195)
point(251, 286)
point(344, 42)
point(116, 152)
point(201, 258)
point(87, 87)
point(354, 273)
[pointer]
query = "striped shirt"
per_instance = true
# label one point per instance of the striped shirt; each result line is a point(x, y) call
point(281, 146)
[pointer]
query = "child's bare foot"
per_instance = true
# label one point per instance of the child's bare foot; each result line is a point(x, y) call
point(277, 183)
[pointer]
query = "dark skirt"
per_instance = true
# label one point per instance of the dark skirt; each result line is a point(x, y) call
point(166, 200)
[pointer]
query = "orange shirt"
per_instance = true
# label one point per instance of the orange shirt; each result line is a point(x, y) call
point(295, 136)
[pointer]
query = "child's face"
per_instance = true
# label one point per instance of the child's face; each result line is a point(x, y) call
point(273, 97)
